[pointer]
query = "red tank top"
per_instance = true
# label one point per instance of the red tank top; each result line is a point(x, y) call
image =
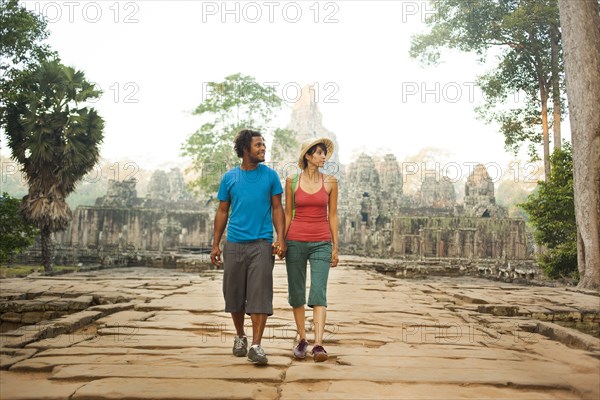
point(310, 223)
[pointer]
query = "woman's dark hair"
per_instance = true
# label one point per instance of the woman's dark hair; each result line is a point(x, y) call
point(312, 150)
point(243, 140)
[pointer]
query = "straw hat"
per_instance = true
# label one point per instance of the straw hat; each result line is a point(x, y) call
point(310, 143)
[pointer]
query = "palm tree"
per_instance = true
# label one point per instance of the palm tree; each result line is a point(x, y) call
point(55, 141)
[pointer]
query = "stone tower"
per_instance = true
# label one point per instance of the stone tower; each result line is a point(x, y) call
point(437, 193)
point(307, 123)
point(391, 177)
point(159, 187)
point(362, 190)
point(479, 195)
point(119, 194)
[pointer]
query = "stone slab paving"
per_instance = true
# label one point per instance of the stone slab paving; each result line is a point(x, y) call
point(161, 334)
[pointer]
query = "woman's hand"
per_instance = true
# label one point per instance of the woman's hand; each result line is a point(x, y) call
point(334, 258)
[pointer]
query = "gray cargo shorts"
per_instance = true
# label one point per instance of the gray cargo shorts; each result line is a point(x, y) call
point(248, 277)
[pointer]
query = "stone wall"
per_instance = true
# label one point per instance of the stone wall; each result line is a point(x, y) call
point(459, 237)
point(144, 229)
point(167, 220)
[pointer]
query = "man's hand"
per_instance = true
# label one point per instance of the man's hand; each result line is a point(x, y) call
point(215, 256)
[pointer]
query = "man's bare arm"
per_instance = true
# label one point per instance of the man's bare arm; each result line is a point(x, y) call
point(219, 227)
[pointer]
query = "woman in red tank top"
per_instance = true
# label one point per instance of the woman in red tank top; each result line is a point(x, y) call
point(311, 236)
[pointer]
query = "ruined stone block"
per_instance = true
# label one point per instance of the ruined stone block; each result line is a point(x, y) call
point(32, 317)
point(11, 317)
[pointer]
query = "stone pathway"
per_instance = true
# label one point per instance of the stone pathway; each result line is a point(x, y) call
point(160, 334)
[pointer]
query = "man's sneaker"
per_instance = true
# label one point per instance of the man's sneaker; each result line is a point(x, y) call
point(240, 346)
point(257, 355)
point(319, 354)
point(300, 349)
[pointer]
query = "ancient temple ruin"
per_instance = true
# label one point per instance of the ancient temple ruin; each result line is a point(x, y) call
point(428, 224)
point(167, 220)
point(378, 219)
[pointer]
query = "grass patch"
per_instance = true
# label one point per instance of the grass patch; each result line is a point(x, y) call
point(16, 271)
point(19, 271)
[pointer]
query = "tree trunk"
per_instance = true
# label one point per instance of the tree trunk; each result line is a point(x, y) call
point(545, 132)
point(47, 250)
point(556, 106)
point(544, 89)
point(580, 23)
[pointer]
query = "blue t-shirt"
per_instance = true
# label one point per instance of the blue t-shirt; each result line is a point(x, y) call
point(249, 193)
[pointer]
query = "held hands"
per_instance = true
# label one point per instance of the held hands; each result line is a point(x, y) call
point(279, 249)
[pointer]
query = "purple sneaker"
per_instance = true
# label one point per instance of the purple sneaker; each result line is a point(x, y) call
point(319, 354)
point(300, 349)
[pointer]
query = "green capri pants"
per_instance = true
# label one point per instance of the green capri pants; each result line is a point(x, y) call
point(319, 255)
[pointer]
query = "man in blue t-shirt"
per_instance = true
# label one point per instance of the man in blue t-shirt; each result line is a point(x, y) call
point(252, 192)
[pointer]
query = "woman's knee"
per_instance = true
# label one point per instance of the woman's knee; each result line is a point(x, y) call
point(296, 299)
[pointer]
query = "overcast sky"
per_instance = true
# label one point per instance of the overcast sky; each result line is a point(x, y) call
point(153, 58)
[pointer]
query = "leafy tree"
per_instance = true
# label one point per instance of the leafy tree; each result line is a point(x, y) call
point(22, 35)
point(527, 36)
point(56, 141)
point(15, 234)
point(284, 146)
point(551, 211)
point(236, 103)
point(22, 47)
